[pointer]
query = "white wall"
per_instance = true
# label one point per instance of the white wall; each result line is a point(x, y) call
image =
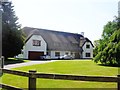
point(29, 46)
point(52, 53)
point(86, 50)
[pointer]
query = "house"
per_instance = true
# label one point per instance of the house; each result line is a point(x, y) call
point(55, 44)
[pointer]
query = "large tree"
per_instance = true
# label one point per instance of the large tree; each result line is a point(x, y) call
point(108, 30)
point(108, 47)
point(12, 40)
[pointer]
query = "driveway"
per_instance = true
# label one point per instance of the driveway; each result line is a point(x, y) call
point(26, 64)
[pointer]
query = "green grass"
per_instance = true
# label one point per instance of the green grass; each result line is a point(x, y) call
point(81, 67)
point(14, 61)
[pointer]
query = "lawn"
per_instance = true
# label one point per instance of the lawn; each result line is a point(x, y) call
point(74, 67)
point(14, 61)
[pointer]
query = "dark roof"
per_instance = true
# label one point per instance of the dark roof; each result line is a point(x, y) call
point(56, 40)
point(86, 40)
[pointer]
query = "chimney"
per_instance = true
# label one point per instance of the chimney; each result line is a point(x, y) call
point(3, 0)
point(82, 33)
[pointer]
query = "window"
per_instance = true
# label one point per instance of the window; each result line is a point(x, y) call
point(87, 54)
point(57, 54)
point(48, 53)
point(87, 46)
point(36, 43)
point(66, 53)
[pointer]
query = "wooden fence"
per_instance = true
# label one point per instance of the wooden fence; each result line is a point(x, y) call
point(33, 75)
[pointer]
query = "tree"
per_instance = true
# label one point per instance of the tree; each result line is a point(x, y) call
point(109, 28)
point(100, 44)
point(95, 50)
point(115, 40)
point(109, 46)
point(12, 40)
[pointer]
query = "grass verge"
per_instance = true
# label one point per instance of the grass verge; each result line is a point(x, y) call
point(14, 61)
point(74, 67)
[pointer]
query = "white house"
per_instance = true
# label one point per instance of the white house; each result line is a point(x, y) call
point(87, 49)
point(55, 44)
point(34, 46)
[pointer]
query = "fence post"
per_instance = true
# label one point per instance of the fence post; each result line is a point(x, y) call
point(118, 82)
point(2, 58)
point(32, 81)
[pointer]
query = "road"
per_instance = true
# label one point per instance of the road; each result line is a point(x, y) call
point(26, 64)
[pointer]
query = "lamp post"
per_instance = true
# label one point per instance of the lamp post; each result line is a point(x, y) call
point(1, 62)
point(1, 11)
point(119, 9)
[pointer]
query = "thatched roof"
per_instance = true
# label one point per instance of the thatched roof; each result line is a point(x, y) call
point(56, 40)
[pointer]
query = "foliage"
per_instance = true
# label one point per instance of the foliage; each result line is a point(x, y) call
point(108, 48)
point(109, 28)
point(96, 43)
point(12, 38)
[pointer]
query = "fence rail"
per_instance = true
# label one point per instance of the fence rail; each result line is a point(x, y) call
point(33, 75)
point(8, 87)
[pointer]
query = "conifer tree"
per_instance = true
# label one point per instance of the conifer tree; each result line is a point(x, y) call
point(12, 40)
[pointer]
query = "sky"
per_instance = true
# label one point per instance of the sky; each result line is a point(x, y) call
point(75, 16)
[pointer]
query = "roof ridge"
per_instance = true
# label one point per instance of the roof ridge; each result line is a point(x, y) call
point(53, 30)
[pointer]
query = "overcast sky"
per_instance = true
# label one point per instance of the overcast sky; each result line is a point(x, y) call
point(76, 16)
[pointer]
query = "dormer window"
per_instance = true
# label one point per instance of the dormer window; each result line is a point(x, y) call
point(36, 43)
point(87, 46)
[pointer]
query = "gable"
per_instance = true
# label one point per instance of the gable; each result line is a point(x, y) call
point(85, 40)
point(56, 40)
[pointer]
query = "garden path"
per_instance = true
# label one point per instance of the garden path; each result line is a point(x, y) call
point(27, 64)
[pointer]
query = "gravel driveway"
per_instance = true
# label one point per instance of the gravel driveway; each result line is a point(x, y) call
point(26, 64)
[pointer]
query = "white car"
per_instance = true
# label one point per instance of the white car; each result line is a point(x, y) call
point(66, 57)
point(45, 57)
